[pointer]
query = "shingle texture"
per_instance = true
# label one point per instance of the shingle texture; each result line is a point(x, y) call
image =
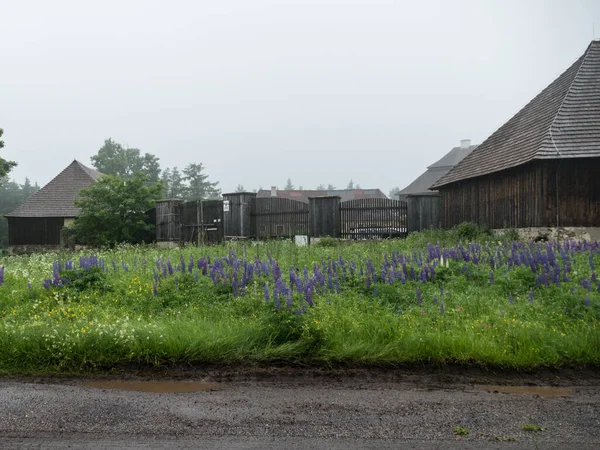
point(56, 199)
point(562, 121)
point(436, 171)
point(304, 195)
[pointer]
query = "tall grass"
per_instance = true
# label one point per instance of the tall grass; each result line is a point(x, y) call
point(482, 305)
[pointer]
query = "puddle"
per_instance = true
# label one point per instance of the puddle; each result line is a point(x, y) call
point(542, 391)
point(155, 386)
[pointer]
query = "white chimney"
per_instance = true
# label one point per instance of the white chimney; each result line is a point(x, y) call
point(273, 191)
point(465, 143)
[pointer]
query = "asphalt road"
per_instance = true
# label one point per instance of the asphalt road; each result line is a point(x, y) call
point(296, 411)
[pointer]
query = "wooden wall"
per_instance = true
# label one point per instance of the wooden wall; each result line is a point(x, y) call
point(526, 196)
point(423, 212)
point(34, 230)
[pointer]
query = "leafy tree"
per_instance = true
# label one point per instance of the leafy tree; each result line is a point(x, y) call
point(198, 184)
point(239, 188)
point(321, 187)
point(394, 192)
point(350, 184)
point(165, 180)
point(113, 211)
point(5, 166)
point(151, 168)
point(173, 184)
point(114, 159)
point(331, 187)
point(289, 186)
point(13, 196)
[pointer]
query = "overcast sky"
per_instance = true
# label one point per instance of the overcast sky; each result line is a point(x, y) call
point(320, 91)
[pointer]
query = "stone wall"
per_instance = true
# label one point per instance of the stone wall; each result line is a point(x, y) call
point(553, 234)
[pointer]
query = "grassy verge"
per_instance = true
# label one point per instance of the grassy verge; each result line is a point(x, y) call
point(501, 304)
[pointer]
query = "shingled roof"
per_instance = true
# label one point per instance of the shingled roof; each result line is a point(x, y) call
point(304, 195)
point(562, 121)
point(437, 170)
point(56, 199)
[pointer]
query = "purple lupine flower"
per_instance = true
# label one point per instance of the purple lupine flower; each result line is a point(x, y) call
point(234, 284)
point(290, 300)
point(276, 271)
point(28, 284)
point(491, 277)
point(587, 284)
point(586, 301)
point(170, 267)
point(191, 264)
point(266, 291)
point(155, 290)
point(114, 264)
point(435, 300)
point(442, 310)
point(197, 275)
point(531, 297)
point(511, 299)
point(1, 275)
point(277, 301)
point(591, 260)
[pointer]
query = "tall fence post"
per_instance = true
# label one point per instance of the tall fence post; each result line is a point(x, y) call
point(237, 217)
point(168, 220)
point(423, 211)
point(324, 216)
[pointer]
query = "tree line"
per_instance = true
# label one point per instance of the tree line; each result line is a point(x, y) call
point(191, 183)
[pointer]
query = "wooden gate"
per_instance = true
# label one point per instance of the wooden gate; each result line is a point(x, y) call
point(279, 217)
point(373, 218)
point(202, 222)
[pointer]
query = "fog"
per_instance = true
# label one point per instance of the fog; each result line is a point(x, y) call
point(265, 90)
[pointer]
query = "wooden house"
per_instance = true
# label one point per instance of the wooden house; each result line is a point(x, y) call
point(37, 223)
point(542, 167)
point(421, 184)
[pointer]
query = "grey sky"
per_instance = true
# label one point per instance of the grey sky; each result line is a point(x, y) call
point(261, 90)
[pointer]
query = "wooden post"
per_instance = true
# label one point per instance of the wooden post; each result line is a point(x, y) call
point(324, 216)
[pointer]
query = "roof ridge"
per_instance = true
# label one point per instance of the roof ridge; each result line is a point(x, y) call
point(585, 55)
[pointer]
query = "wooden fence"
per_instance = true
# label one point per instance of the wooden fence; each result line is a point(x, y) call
point(373, 218)
point(242, 216)
point(279, 217)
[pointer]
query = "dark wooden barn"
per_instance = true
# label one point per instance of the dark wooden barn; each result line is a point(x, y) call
point(542, 167)
point(38, 222)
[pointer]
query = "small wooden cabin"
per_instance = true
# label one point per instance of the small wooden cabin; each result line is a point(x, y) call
point(36, 225)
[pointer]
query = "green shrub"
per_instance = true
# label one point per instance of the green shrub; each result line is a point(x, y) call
point(328, 242)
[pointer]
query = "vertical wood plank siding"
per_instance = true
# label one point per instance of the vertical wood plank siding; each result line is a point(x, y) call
point(279, 217)
point(526, 196)
point(373, 218)
point(423, 212)
point(34, 230)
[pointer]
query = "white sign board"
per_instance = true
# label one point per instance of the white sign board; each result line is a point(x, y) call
point(225, 205)
point(301, 241)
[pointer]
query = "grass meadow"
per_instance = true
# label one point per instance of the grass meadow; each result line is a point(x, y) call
point(428, 298)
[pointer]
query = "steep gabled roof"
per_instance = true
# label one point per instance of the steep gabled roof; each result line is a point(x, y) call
point(56, 199)
point(437, 170)
point(304, 195)
point(562, 121)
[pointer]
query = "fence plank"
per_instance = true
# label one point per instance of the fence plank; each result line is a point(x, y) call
point(373, 218)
